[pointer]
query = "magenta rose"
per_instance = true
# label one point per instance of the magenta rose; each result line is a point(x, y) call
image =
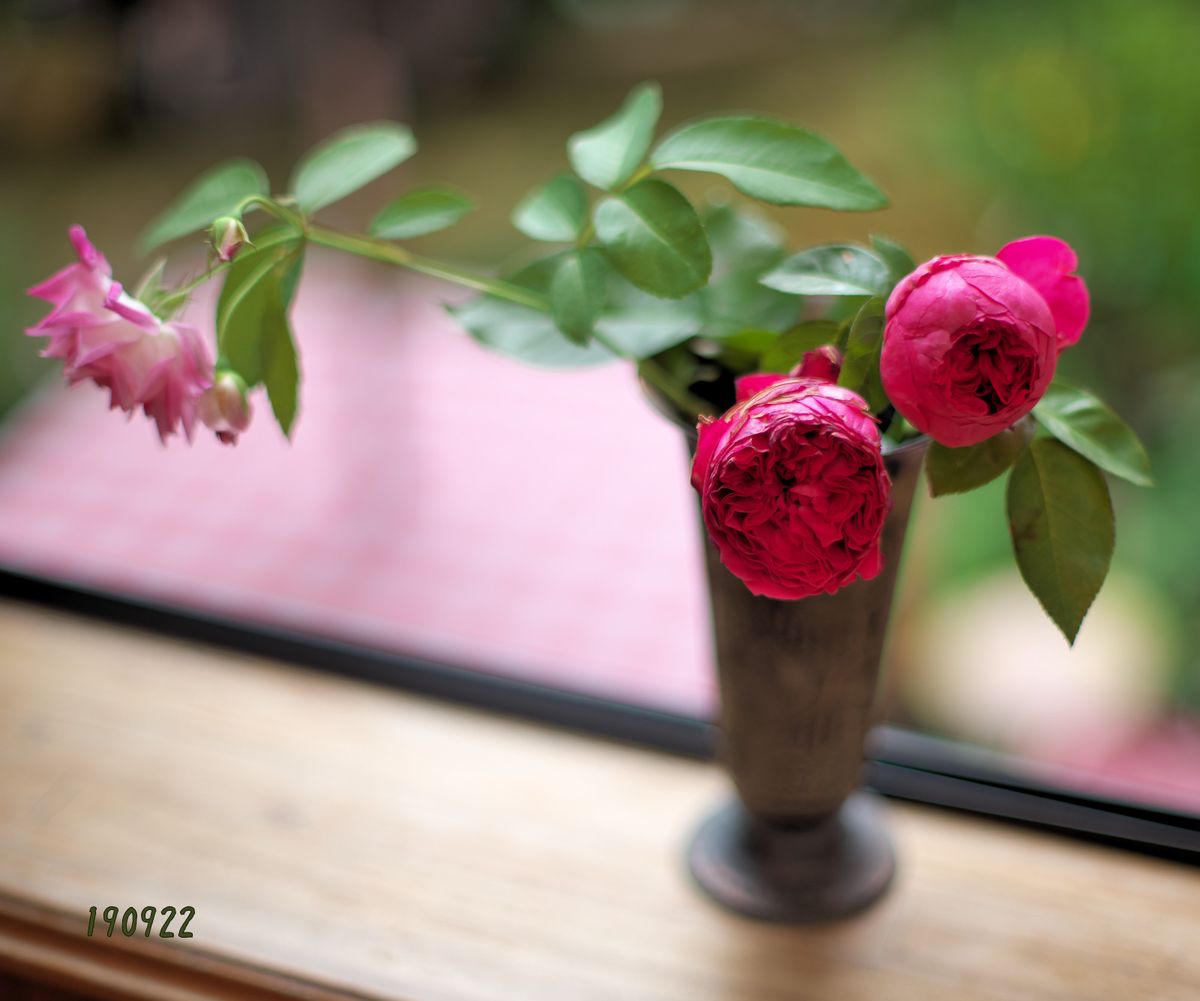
point(103, 334)
point(970, 345)
point(792, 485)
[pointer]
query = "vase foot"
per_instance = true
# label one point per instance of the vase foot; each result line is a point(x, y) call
point(819, 873)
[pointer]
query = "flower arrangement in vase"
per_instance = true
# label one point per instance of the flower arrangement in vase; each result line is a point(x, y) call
point(810, 386)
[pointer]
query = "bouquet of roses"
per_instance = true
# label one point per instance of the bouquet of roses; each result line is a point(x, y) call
point(801, 369)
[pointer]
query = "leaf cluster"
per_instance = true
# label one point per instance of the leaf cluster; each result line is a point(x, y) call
point(698, 294)
point(1060, 513)
point(254, 334)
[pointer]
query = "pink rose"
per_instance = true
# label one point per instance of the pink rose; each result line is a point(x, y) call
point(792, 485)
point(105, 335)
point(969, 347)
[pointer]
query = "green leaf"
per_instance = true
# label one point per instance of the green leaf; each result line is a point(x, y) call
point(860, 367)
point(635, 323)
point(743, 240)
point(642, 325)
point(348, 160)
point(756, 342)
point(253, 332)
point(212, 195)
point(1061, 520)
point(1078, 419)
point(957, 470)
point(792, 345)
point(577, 293)
point(652, 235)
point(608, 154)
point(556, 211)
point(521, 332)
point(833, 269)
point(282, 372)
point(420, 211)
point(526, 334)
point(898, 260)
point(744, 246)
point(769, 160)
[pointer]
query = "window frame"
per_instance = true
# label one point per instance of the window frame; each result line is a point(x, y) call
point(901, 763)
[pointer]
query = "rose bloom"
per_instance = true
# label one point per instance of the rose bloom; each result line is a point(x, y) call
point(793, 490)
point(970, 343)
point(105, 335)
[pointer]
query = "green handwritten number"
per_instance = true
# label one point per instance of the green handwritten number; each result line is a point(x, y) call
point(129, 921)
point(191, 913)
point(164, 933)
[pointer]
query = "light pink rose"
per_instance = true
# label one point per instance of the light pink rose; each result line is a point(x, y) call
point(793, 490)
point(969, 348)
point(1048, 263)
point(102, 334)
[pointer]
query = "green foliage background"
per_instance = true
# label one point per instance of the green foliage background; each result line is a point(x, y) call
point(1082, 119)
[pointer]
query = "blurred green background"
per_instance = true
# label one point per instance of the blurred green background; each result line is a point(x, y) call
point(983, 121)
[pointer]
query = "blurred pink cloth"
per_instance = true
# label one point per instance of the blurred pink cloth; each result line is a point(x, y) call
point(437, 500)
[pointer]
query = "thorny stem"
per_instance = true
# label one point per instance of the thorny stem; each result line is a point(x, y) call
point(273, 207)
point(168, 304)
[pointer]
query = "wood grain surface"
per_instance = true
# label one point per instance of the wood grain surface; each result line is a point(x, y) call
point(342, 841)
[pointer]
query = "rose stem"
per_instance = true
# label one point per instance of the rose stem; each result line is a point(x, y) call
point(389, 253)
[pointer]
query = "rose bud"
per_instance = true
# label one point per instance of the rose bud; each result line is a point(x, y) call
point(821, 363)
point(224, 408)
point(228, 237)
point(105, 335)
point(793, 490)
point(969, 348)
point(824, 363)
point(1047, 264)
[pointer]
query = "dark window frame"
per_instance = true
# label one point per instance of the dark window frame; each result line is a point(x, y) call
point(901, 763)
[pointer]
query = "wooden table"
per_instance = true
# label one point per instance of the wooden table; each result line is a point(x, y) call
point(342, 841)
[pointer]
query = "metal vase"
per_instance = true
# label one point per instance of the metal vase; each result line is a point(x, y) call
point(798, 682)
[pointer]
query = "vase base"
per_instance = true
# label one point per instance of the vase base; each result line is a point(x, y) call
point(819, 873)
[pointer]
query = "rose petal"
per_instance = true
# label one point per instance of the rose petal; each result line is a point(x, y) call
point(747, 386)
point(709, 433)
point(823, 363)
point(104, 335)
point(1048, 264)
